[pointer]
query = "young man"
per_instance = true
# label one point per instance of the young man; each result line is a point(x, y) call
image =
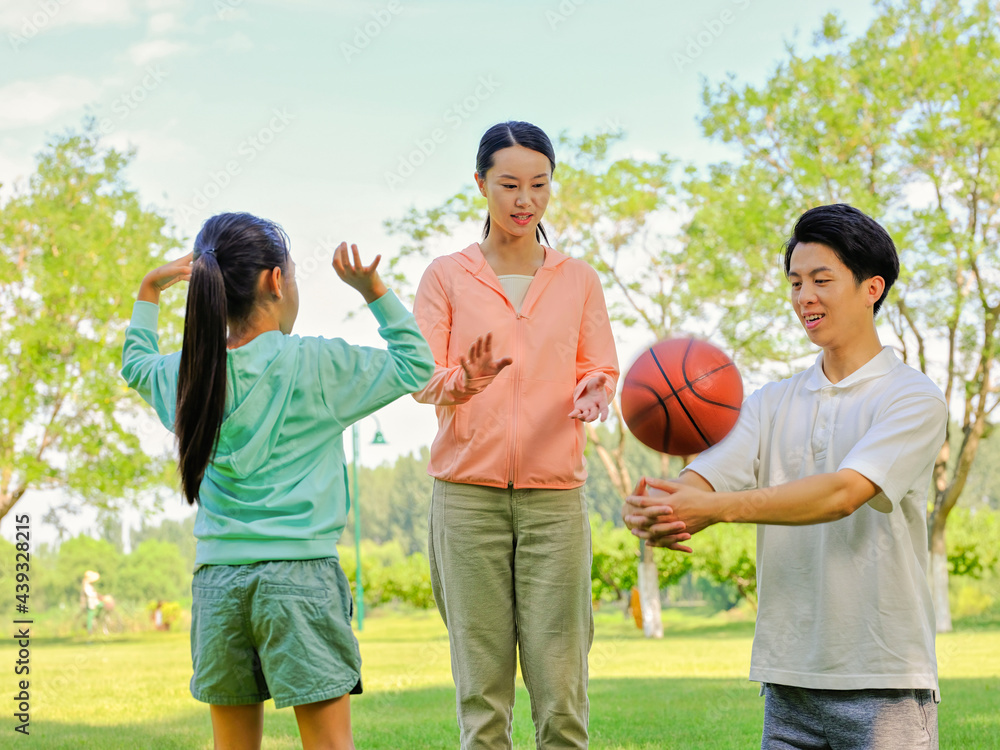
point(834, 465)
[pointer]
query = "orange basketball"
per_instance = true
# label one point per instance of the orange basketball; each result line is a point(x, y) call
point(682, 396)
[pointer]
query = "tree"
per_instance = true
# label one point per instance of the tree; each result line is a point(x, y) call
point(614, 567)
point(395, 500)
point(76, 556)
point(154, 570)
point(8, 571)
point(727, 555)
point(178, 533)
point(904, 123)
point(74, 245)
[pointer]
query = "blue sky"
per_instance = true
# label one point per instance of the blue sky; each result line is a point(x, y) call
point(330, 117)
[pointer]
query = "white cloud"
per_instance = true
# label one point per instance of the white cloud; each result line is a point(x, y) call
point(237, 42)
point(16, 165)
point(30, 17)
point(153, 146)
point(37, 102)
point(161, 4)
point(152, 49)
point(161, 23)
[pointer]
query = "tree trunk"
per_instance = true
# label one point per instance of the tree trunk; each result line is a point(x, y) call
point(649, 593)
point(939, 578)
point(7, 500)
point(649, 577)
point(947, 493)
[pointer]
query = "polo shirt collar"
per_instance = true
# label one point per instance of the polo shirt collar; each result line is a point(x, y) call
point(881, 364)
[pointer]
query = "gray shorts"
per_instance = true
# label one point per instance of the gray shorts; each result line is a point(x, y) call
point(878, 719)
point(278, 629)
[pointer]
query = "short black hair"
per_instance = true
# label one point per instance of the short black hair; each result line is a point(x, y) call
point(861, 243)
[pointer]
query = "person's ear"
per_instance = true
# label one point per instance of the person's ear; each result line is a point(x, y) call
point(481, 182)
point(271, 283)
point(277, 282)
point(874, 287)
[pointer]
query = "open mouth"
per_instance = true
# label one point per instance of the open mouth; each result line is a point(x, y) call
point(522, 219)
point(812, 320)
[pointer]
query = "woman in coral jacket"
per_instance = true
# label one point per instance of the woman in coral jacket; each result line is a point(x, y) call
point(509, 534)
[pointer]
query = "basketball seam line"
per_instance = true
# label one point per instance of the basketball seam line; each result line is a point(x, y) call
point(671, 386)
point(690, 385)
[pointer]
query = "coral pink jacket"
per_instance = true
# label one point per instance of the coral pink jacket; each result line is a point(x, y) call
point(513, 429)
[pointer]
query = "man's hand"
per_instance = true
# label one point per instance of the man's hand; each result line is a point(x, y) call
point(642, 513)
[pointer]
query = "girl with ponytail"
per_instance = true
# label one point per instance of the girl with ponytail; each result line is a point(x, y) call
point(259, 416)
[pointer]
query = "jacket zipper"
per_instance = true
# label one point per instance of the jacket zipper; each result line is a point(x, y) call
point(516, 380)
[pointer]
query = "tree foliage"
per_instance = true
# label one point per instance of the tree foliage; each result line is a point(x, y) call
point(727, 555)
point(74, 244)
point(904, 123)
point(614, 569)
point(76, 556)
point(178, 533)
point(153, 570)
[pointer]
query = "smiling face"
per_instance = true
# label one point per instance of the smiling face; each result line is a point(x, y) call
point(835, 310)
point(517, 189)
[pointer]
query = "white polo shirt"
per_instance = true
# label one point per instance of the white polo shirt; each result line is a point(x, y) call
point(842, 605)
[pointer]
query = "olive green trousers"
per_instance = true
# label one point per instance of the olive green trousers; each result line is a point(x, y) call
point(511, 576)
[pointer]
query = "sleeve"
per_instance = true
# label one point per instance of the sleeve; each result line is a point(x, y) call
point(733, 464)
point(359, 380)
point(900, 445)
point(433, 310)
point(596, 351)
point(151, 374)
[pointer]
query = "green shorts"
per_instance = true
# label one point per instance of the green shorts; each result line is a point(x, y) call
point(278, 629)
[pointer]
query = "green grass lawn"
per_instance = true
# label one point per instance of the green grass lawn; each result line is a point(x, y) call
point(687, 691)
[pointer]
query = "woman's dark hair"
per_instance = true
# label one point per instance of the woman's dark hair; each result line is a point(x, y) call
point(505, 135)
point(229, 253)
point(859, 241)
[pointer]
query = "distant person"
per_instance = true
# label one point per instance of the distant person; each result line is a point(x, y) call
point(157, 617)
point(90, 600)
point(509, 545)
point(833, 465)
point(259, 416)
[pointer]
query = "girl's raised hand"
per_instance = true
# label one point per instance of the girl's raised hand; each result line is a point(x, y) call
point(165, 276)
point(356, 274)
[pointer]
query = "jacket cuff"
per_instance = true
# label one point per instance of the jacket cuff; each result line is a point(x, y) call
point(476, 385)
point(609, 385)
point(388, 310)
point(145, 315)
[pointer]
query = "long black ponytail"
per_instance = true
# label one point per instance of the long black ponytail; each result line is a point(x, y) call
point(229, 253)
point(505, 135)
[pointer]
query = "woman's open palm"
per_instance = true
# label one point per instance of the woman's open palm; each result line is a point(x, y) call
point(479, 362)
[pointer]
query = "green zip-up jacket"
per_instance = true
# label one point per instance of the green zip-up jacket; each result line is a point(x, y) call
point(276, 488)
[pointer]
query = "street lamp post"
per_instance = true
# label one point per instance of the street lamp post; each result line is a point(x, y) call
point(359, 587)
